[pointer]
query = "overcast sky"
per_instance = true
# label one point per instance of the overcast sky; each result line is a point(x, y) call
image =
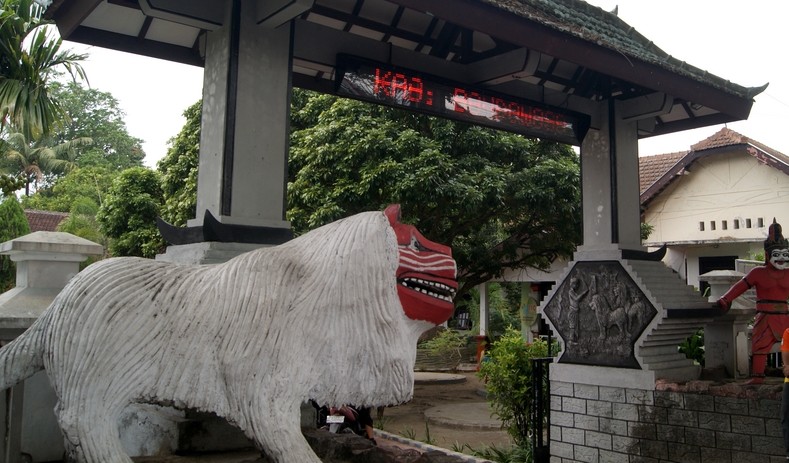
point(744, 42)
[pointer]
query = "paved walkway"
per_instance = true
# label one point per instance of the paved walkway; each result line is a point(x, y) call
point(468, 415)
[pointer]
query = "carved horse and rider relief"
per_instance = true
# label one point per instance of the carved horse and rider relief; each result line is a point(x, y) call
point(599, 313)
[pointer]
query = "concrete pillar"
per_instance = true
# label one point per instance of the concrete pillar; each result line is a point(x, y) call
point(484, 309)
point(726, 337)
point(609, 175)
point(528, 311)
point(244, 129)
point(45, 262)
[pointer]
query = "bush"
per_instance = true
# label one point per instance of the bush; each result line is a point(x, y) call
point(693, 347)
point(13, 224)
point(445, 342)
point(505, 454)
point(508, 377)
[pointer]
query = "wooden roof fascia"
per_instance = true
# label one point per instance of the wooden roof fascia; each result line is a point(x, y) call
point(133, 4)
point(769, 159)
point(69, 14)
point(663, 128)
point(527, 33)
point(130, 44)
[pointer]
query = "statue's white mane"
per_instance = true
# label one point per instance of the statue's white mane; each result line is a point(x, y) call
point(315, 318)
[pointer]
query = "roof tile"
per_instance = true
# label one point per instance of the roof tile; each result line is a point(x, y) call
point(44, 220)
point(652, 168)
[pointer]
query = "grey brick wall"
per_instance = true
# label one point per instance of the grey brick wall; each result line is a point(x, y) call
point(596, 424)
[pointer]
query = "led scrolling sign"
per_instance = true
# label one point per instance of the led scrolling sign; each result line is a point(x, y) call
point(402, 88)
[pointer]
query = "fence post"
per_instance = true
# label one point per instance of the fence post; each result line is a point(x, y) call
point(540, 413)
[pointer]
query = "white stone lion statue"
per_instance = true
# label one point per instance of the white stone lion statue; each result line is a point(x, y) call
point(333, 315)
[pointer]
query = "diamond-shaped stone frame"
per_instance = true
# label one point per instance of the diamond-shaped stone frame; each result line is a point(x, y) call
point(599, 312)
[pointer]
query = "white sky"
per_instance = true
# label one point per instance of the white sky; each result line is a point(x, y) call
point(743, 42)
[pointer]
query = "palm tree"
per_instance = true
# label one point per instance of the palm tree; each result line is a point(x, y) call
point(29, 57)
point(35, 160)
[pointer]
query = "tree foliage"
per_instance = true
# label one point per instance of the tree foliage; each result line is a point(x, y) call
point(179, 170)
point(79, 185)
point(13, 224)
point(508, 375)
point(30, 57)
point(128, 214)
point(499, 199)
point(31, 161)
point(82, 222)
point(94, 114)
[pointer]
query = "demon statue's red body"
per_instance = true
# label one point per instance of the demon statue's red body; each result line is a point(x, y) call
point(771, 282)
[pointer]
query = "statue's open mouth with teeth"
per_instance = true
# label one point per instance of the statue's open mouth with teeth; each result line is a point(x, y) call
point(426, 274)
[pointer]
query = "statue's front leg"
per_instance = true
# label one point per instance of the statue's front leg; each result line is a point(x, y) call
point(275, 427)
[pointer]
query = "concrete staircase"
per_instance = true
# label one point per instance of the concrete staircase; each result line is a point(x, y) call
point(681, 311)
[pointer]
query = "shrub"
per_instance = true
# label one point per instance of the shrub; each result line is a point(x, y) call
point(13, 224)
point(693, 347)
point(508, 377)
point(505, 454)
point(445, 342)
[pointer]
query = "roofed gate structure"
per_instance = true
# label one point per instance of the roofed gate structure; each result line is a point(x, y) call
point(555, 69)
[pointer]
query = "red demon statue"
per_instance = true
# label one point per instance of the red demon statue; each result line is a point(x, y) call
point(771, 282)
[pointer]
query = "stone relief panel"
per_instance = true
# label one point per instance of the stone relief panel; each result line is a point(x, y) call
point(599, 312)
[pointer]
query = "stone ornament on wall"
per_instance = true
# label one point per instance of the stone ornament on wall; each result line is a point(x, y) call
point(599, 312)
point(333, 316)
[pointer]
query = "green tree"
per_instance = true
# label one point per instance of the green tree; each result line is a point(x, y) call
point(499, 199)
point(128, 214)
point(30, 57)
point(83, 183)
point(646, 230)
point(32, 161)
point(82, 222)
point(508, 381)
point(94, 114)
point(80, 193)
point(179, 170)
point(13, 224)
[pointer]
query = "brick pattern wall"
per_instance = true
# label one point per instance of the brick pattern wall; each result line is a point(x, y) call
point(598, 424)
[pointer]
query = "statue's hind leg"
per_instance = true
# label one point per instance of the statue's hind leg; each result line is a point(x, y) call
point(90, 435)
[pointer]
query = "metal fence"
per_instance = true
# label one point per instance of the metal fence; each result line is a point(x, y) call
point(540, 413)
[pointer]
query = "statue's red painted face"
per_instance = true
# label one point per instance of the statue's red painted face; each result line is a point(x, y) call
point(426, 274)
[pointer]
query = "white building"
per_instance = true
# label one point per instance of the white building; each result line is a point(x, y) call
point(714, 203)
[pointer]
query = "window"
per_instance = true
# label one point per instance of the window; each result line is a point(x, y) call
point(760, 222)
point(701, 226)
point(712, 225)
point(747, 223)
point(724, 225)
point(736, 224)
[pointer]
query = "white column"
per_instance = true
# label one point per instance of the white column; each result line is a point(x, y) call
point(528, 311)
point(484, 303)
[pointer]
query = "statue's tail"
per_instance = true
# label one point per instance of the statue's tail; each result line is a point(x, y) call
point(25, 355)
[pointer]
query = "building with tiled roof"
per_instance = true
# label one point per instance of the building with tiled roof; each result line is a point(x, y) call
point(652, 168)
point(712, 204)
point(44, 220)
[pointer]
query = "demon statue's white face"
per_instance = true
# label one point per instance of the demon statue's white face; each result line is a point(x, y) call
point(779, 258)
